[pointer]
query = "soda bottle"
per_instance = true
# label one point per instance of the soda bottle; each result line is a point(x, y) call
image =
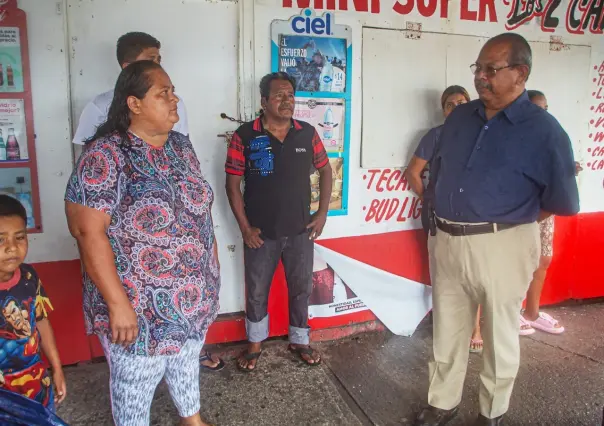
point(13, 152)
point(1, 76)
point(2, 148)
point(10, 77)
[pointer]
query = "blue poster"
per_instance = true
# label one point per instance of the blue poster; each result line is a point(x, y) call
point(317, 63)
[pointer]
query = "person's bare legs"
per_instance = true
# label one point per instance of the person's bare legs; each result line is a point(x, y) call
point(533, 295)
point(476, 343)
point(194, 420)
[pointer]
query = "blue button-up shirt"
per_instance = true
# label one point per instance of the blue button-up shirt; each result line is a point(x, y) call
point(425, 150)
point(426, 147)
point(506, 169)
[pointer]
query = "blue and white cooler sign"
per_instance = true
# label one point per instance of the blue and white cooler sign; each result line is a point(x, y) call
point(327, 116)
point(314, 51)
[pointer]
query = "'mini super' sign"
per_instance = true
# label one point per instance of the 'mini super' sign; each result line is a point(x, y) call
point(307, 23)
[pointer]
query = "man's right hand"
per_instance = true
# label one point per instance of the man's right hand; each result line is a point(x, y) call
point(123, 323)
point(251, 238)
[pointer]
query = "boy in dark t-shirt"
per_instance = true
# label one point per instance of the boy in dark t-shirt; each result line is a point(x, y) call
point(24, 327)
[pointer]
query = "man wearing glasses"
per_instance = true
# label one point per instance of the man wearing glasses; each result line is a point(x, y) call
point(502, 164)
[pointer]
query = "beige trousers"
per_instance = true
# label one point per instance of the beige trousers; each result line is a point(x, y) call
point(491, 270)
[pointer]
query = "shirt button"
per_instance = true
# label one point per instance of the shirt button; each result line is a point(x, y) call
point(478, 148)
point(456, 214)
point(486, 127)
point(460, 189)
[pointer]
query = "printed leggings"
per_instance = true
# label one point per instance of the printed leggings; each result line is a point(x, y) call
point(133, 380)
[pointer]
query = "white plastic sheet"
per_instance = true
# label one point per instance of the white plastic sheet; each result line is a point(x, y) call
point(399, 303)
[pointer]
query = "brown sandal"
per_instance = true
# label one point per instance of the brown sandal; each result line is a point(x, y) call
point(249, 357)
point(305, 350)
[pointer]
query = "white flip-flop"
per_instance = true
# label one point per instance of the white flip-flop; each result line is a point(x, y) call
point(547, 323)
point(526, 327)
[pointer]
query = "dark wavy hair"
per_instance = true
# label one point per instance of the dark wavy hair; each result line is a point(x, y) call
point(453, 90)
point(10, 206)
point(130, 45)
point(265, 83)
point(134, 80)
point(532, 94)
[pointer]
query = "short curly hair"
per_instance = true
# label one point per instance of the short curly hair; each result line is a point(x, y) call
point(265, 83)
point(10, 207)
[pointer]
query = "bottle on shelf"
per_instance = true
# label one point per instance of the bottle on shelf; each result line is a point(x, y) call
point(13, 152)
point(10, 76)
point(2, 147)
point(1, 75)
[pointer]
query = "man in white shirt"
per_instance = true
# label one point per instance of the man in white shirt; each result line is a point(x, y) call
point(131, 47)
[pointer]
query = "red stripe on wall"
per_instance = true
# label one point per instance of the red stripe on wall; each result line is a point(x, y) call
point(63, 284)
point(587, 266)
point(403, 253)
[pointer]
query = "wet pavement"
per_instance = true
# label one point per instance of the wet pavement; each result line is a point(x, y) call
point(377, 379)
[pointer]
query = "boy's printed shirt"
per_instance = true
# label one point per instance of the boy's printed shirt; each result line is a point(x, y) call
point(23, 302)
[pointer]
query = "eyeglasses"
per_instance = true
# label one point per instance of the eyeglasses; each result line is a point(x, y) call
point(489, 70)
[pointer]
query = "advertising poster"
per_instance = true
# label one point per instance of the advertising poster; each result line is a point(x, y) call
point(337, 171)
point(11, 68)
point(317, 52)
point(13, 135)
point(317, 63)
point(16, 182)
point(327, 117)
point(330, 296)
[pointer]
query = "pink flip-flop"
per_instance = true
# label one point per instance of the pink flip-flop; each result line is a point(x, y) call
point(526, 327)
point(547, 323)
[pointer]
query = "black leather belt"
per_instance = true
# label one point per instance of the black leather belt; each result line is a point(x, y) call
point(457, 230)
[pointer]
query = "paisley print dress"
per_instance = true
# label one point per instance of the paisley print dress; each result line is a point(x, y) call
point(161, 233)
point(546, 229)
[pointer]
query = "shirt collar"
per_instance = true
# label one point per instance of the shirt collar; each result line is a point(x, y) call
point(258, 127)
point(13, 281)
point(514, 112)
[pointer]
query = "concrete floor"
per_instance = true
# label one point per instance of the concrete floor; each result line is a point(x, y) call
point(378, 379)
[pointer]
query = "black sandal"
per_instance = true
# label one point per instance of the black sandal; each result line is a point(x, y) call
point(208, 357)
point(249, 357)
point(305, 350)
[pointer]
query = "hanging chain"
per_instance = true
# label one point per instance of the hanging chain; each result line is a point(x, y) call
point(234, 120)
point(229, 134)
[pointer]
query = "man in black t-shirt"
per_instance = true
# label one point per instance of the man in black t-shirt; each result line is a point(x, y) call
point(274, 155)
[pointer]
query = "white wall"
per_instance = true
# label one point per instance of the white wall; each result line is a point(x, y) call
point(50, 93)
point(409, 110)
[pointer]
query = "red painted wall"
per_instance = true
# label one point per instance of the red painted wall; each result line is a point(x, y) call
point(575, 273)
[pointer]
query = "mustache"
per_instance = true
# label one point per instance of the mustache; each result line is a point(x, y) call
point(482, 85)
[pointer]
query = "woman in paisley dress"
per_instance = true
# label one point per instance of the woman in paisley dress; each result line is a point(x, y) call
point(140, 210)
